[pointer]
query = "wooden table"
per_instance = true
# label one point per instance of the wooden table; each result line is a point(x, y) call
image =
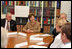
point(16, 39)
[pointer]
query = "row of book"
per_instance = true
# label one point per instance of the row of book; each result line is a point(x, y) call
point(48, 21)
point(21, 20)
point(8, 3)
point(23, 3)
point(7, 9)
point(36, 3)
point(49, 4)
point(48, 12)
point(36, 11)
point(29, 3)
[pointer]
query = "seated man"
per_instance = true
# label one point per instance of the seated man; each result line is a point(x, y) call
point(32, 26)
point(66, 35)
point(8, 23)
point(4, 38)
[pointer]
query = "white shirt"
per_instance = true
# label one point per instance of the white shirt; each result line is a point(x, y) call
point(6, 24)
point(67, 45)
point(57, 42)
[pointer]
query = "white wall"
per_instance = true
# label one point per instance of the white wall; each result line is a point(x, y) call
point(66, 8)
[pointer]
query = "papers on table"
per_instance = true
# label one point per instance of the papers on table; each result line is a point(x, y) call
point(23, 34)
point(46, 35)
point(41, 39)
point(21, 44)
point(35, 37)
point(40, 35)
point(15, 33)
point(36, 46)
point(12, 33)
point(41, 43)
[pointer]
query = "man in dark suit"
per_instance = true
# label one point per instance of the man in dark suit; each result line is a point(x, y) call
point(8, 23)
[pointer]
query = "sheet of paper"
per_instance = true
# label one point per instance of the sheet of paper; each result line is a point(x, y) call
point(45, 35)
point(39, 35)
point(21, 44)
point(12, 33)
point(41, 39)
point(23, 34)
point(36, 46)
point(41, 43)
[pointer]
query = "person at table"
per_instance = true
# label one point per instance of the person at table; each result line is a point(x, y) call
point(4, 37)
point(64, 16)
point(66, 35)
point(8, 23)
point(57, 43)
point(32, 25)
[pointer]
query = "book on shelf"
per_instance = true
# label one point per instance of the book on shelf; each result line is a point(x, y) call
point(3, 2)
point(35, 3)
point(47, 12)
point(40, 3)
point(47, 4)
point(51, 29)
point(10, 3)
point(46, 29)
point(7, 3)
point(51, 13)
point(58, 4)
point(12, 10)
point(22, 3)
point(35, 11)
point(31, 3)
point(31, 10)
point(4, 10)
point(52, 21)
point(45, 20)
point(48, 20)
point(39, 12)
point(53, 3)
point(27, 3)
point(50, 4)
point(16, 2)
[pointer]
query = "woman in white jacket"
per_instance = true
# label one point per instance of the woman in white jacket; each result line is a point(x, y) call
point(57, 41)
point(66, 35)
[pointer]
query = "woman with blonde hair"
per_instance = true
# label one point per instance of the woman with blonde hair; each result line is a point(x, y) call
point(57, 40)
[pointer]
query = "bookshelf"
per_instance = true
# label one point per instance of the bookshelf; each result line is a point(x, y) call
point(7, 6)
point(51, 11)
point(48, 16)
point(45, 12)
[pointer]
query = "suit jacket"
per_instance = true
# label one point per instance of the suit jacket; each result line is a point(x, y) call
point(12, 24)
